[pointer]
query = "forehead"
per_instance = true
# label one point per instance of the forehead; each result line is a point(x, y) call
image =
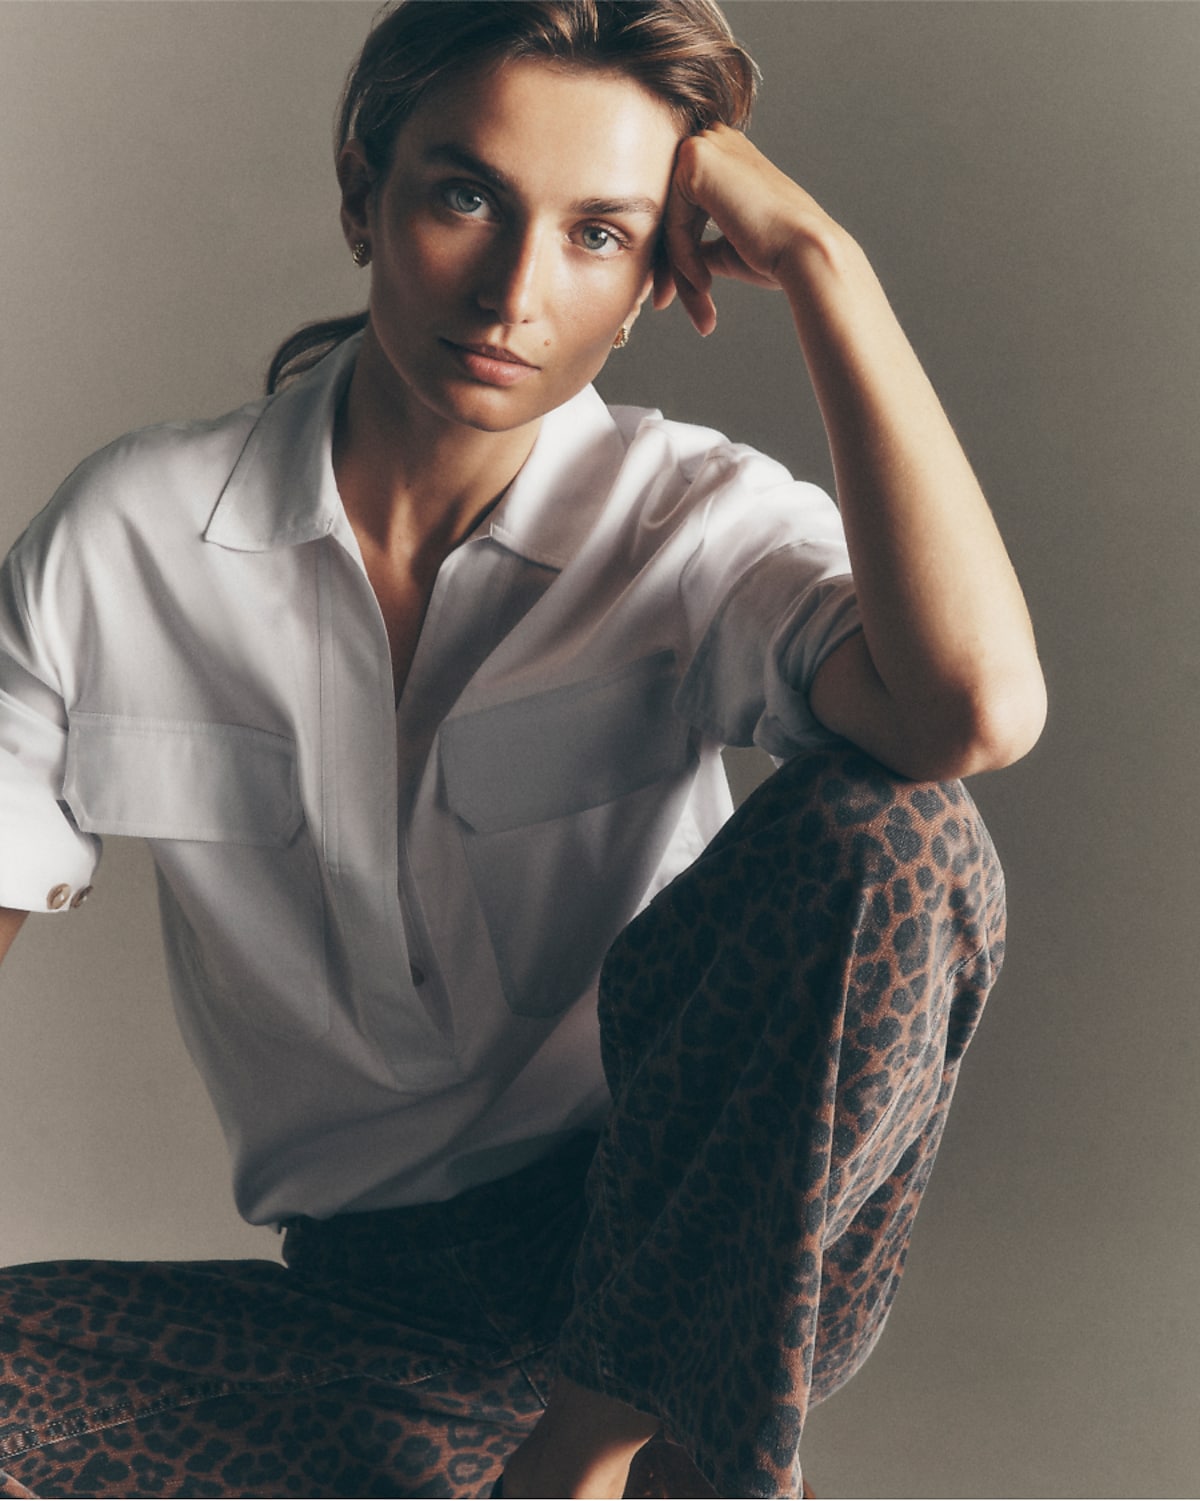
point(540, 123)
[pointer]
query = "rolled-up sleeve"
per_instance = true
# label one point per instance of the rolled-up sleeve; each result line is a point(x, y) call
point(46, 863)
point(749, 681)
point(769, 596)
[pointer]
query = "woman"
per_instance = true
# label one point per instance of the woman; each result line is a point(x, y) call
point(416, 677)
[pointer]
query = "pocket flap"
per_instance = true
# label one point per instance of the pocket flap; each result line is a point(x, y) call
point(181, 779)
point(558, 752)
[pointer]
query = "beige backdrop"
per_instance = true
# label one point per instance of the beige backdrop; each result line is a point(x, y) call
point(1026, 177)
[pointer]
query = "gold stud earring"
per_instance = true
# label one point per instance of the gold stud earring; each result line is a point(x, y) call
point(622, 338)
point(361, 252)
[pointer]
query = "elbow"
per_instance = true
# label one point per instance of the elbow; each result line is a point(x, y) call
point(979, 720)
point(989, 729)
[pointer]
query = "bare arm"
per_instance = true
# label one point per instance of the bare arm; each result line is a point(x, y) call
point(10, 926)
point(944, 679)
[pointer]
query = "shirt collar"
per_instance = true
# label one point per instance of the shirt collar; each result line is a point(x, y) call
point(560, 489)
point(282, 491)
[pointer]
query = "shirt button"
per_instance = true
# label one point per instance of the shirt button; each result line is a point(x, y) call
point(81, 896)
point(58, 897)
point(417, 973)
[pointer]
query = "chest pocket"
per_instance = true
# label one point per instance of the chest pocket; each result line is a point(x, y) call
point(178, 779)
point(565, 802)
point(220, 805)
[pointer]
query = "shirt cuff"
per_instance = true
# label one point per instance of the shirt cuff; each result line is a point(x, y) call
point(788, 725)
point(46, 863)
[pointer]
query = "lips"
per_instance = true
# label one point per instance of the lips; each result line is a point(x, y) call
point(490, 364)
point(493, 352)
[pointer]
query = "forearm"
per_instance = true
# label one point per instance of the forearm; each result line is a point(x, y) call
point(10, 926)
point(944, 679)
point(945, 627)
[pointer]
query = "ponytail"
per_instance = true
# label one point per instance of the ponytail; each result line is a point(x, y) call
point(308, 346)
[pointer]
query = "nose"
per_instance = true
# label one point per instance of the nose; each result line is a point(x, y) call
point(512, 285)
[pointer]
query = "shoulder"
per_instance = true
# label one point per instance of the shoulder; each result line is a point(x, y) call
point(149, 475)
point(626, 480)
point(692, 449)
point(729, 487)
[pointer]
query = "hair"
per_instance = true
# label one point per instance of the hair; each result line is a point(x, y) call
point(682, 51)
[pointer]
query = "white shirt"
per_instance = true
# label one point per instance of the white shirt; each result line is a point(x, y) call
point(384, 924)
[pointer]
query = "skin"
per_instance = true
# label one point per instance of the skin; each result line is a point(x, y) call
point(486, 233)
point(509, 221)
point(943, 680)
point(10, 926)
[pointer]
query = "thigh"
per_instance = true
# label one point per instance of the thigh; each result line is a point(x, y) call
point(445, 1436)
point(238, 1379)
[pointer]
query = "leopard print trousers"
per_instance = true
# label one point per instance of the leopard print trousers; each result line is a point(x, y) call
point(782, 1030)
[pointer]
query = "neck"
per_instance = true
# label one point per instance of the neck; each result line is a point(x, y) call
point(408, 477)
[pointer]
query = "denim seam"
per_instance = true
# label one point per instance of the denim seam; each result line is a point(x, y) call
point(508, 1351)
point(598, 1348)
point(94, 1420)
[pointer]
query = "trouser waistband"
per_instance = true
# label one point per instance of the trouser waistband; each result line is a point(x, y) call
point(352, 1245)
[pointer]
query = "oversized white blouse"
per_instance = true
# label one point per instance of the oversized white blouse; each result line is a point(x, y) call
point(384, 923)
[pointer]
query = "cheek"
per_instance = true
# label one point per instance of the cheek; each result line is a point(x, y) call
point(596, 308)
point(581, 344)
point(424, 261)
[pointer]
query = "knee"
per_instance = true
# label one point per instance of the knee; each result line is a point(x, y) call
point(906, 854)
point(904, 882)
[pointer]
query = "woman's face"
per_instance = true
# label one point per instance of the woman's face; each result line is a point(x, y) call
point(512, 237)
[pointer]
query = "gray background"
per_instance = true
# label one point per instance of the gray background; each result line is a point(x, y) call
point(1025, 177)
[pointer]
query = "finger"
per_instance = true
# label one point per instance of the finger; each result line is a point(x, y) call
point(664, 282)
point(683, 226)
point(682, 230)
point(722, 259)
point(698, 305)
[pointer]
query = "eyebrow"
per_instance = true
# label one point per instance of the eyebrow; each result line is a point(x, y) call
point(458, 156)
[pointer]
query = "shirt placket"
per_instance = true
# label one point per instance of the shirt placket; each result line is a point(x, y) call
point(433, 668)
point(360, 811)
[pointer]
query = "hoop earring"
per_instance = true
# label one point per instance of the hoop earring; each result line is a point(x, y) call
point(622, 338)
point(361, 253)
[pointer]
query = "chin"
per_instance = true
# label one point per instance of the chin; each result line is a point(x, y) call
point(493, 411)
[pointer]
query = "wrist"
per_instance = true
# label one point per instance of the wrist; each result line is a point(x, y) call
point(818, 255)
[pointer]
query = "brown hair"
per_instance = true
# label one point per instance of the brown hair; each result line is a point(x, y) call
point(680, 50)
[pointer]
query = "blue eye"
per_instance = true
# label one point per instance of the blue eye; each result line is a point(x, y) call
point(600, 240)
point(464, 200)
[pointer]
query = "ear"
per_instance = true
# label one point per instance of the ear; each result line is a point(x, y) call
point(357, 182)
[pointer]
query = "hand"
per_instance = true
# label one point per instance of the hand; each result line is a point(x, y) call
point(763, 219)
point(582, 1445)
point(10, 925)
point(944, 680)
